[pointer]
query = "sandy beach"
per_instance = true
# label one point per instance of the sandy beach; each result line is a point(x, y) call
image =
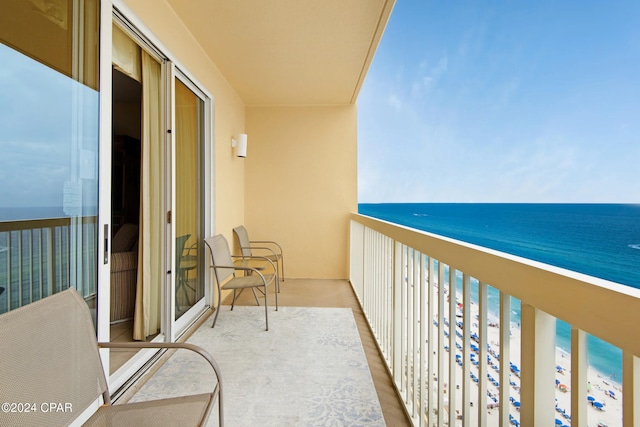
point(606, 395)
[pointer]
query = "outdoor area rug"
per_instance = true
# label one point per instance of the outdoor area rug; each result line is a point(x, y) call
point(309, 369)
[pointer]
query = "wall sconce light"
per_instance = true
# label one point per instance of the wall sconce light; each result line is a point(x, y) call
point(240, 145)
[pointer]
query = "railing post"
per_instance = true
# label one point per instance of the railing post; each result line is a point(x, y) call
point(8, 290)
point(631, 395)
point(441, 352)
point(505, 356)
point(482, 354)
point(395, 315)
point(452, 347)
point(424, 325)
point(416, 344)
point(578, 378)
point(537, 378)
point(357, 258)
point(466, 350)
point(431, 338)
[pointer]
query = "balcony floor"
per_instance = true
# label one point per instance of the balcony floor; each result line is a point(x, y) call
point(338, 293)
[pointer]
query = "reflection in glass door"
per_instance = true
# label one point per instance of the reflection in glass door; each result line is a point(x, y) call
point(49, 130)
point(189, 133)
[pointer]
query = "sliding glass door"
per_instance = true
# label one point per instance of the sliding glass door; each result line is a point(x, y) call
point(189, 224)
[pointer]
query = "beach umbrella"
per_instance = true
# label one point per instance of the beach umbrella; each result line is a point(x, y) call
point(591, 398)
point(558, 422)
point(611, 393)
point(516, 404)
point(557, 381)
point(598, 405)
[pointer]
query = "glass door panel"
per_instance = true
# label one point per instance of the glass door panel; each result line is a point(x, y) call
point(49, 117)
point(189, 283)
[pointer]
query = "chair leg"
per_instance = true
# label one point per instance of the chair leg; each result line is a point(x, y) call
point(233, 303)
point(282, 265)
point(255, 295)
point(266, 311)
point(215, 318)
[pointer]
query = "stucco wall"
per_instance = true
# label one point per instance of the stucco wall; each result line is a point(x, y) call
point(301, 184)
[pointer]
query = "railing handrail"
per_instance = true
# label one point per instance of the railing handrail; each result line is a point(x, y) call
point(31, 224)
point(600, 307)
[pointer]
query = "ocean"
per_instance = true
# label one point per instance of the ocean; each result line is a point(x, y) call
point(601, 240)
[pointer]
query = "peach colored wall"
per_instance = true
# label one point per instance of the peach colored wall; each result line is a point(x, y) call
point(299, 182)
point(229, 113)
point(301, 185)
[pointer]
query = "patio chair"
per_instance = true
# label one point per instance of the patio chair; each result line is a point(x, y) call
point(247, 246)
point(50, 362)
point(226, 279)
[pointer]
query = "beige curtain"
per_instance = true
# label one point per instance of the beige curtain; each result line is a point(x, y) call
point(126, 54)
point(146, 319)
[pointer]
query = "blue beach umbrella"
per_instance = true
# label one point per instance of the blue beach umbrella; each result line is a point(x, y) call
point(591, 398)
point(598, 405)
point(558, 422)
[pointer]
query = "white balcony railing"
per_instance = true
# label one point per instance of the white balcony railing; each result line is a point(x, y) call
point(403, 279)
point(41, 257)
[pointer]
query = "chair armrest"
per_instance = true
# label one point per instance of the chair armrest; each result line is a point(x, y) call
point(217, 390)
point(264, 248)
point(254, 257)
point(193, 247)
point(235, 267)
point(251, 269)
point(269, 242)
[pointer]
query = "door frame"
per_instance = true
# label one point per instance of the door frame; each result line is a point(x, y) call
point(170, 330)
point(181, 325)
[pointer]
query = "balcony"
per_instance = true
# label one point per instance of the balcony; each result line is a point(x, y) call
point(401, 283)
point(403, 279)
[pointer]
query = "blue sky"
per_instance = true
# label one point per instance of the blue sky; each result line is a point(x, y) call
point(503, 101)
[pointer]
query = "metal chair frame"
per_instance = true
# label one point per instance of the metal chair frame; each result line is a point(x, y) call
point(224, 268)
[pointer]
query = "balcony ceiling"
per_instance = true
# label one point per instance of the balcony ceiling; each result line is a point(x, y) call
point(289, 52)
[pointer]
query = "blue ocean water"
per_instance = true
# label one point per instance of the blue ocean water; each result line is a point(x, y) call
point(601, 240)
